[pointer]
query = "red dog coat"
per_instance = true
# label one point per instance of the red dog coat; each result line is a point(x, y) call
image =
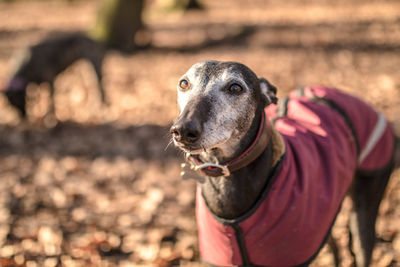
point(328, 136)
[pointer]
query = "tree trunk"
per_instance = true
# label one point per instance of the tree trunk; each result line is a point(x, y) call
point(186, 4)
point(194, 4)
point(117, 23)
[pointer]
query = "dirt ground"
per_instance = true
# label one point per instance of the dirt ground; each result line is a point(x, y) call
point(102, 187)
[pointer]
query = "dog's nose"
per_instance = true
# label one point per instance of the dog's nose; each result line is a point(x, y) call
point(187, 133)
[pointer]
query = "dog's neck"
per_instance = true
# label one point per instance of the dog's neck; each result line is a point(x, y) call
point(229, 197)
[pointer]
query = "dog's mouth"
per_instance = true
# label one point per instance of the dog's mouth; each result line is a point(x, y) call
point(189, 148)
point(195, 149)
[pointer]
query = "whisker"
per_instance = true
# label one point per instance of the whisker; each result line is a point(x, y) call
point(169, 143)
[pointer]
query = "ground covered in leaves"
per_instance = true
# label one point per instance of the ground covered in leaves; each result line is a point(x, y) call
point(102, 187)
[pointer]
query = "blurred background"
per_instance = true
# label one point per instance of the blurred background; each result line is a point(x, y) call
point(101, 186)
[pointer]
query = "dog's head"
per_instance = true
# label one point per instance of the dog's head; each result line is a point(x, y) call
point(16, 94)
point(21, 70)
point(218, 102)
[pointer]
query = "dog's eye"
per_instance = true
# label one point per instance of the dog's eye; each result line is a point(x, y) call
point(235, 88)
point(184, 84)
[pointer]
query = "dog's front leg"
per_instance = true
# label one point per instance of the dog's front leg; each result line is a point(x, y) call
point(50, 118)
point(97, 62)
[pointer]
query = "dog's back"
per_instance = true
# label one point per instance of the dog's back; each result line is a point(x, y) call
point(45, 60)
point(372, 135)
point(41, 63)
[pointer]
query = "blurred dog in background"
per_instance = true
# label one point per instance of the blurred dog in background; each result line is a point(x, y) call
point(41, 63)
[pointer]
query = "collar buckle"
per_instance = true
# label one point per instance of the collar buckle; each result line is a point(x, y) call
point(207, 168)
point(212, 169)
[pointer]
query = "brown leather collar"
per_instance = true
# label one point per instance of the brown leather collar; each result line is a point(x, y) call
point(249, 155)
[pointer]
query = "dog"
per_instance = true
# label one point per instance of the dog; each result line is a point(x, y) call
point(272, 177)
point(41, 63)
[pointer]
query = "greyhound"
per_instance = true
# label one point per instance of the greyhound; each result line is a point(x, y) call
point(271, 178)
point(41, 63)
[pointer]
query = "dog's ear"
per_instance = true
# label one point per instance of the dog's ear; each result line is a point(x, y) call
point(268, 92)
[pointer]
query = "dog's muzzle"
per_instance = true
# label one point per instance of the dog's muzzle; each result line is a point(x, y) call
point(188, 128)
point(216, 169)
point(186, 133)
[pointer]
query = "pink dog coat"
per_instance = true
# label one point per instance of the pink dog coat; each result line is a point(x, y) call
point(328, 136)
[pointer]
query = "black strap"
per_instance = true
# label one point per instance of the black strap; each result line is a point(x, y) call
point(344, 115)
point(242, 245)
point(283, 110)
